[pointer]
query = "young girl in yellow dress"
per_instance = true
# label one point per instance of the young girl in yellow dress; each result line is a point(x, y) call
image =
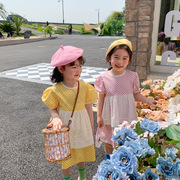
point(60, 99)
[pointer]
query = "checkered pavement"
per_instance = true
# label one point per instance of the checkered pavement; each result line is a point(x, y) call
point(40, 73)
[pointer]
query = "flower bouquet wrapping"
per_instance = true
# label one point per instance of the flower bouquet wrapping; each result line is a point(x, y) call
point(143, 152)
point(154, 90)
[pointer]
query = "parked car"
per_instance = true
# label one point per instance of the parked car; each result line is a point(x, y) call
point(10, 18)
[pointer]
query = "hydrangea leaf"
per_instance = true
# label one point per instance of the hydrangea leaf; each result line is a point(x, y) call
point(138, 129)
point(178, 145)
point(173, 132)
point(161, 133)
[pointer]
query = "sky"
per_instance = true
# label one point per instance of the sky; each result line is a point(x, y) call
point(75, 11)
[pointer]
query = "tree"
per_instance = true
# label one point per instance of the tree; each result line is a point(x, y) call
point(49, 30)
point(46, 30)
point(2, 11)
point(116, 15)
point(18, 21)
point(113, 24)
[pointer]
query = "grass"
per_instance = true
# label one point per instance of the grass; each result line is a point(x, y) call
point(77, 27)
point(36, 26)
point(32, 26)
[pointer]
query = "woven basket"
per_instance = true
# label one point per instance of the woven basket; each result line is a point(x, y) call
point(57, 144)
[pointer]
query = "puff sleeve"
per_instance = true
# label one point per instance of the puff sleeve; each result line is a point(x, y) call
point(136, 84)
point(99, 85)
point(49, 98)
point(91, 95)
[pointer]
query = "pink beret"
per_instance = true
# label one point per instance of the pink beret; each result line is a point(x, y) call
point(66, 55)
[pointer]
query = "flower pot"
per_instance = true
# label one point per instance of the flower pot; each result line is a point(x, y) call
point(5, 35)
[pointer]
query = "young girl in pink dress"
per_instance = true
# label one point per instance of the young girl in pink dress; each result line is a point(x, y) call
point(118, 90)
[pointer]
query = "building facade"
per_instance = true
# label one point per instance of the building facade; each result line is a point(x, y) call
point(153, 27)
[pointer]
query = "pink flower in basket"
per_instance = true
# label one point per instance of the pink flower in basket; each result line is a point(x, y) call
point(98, 141)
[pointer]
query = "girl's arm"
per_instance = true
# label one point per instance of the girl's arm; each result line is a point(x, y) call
point(90, 113)
point(56, 122)
point(99, 109)
point(141, 98)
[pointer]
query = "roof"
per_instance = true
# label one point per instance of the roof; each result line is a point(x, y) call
point(88, 27)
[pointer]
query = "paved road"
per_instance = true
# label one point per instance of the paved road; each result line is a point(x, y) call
point(23, 115)
point(31, 53)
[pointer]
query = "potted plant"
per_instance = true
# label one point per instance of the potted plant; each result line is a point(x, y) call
point(7, 28)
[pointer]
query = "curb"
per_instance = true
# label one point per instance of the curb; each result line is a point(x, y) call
point(22, 41)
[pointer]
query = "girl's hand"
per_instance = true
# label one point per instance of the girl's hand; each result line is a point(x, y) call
point(100, 122)
point(151, 102)
point(56, 123)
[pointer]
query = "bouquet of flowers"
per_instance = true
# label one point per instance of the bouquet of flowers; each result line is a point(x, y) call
point(137, 155)
point(172, 87)
point(153, 90)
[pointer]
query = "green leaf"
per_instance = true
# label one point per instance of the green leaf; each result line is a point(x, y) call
point(151, 143)
point(145, 86)
point(178, 145)
point(171, 142)
point(158, 150)
point(138, 129)
point(173, 132)
point(152, 94)
point(153, 161)
point(161, 132)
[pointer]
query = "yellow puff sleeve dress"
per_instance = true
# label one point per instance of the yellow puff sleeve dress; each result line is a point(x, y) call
point(81, 138)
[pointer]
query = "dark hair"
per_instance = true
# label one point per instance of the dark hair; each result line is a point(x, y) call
point(167, 40)
point(57, 76)
point(161, 38)
point(123, 46)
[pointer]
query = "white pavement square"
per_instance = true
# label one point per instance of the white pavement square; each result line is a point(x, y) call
point(39, 73)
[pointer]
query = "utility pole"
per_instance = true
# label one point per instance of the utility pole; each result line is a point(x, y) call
point(98, 14)
point(62, 9)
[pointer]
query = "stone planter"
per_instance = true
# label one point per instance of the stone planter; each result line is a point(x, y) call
point(5, 35)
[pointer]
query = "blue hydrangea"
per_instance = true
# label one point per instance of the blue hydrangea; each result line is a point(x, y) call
point(124, 135)
point(150, 175)
point(177, 168)
point(119, 137)
point(95, 177)
point(145, 148)
point(124, 160)
point(136, 175)
point(150, 126)
point(165, 167)
point(135, 147)
point(106, 170)
point(171, 152)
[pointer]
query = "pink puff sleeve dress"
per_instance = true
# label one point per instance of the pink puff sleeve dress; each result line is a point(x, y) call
point(119, 102)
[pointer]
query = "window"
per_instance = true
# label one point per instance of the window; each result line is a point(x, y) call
point(168, 47)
